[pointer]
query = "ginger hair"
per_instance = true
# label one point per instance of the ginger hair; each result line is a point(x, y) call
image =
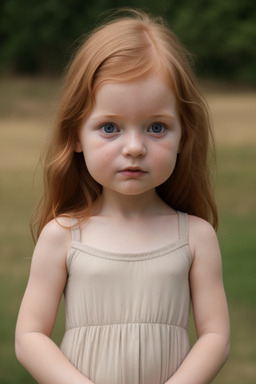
point(125, 49)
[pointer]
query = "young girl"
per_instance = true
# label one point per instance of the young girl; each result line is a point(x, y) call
point(124, 223)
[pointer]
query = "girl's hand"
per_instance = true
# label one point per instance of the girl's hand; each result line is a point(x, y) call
point(34, 348)
point(209, 306)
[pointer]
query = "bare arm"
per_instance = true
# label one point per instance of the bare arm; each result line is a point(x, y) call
point(210, 309)
point(34, 348)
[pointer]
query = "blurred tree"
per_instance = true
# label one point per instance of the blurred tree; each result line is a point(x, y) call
point(221, 33)
point(40, 36)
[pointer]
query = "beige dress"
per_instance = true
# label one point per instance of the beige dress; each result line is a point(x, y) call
point(127, 314)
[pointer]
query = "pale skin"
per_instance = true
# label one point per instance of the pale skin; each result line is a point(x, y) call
point(135, 128)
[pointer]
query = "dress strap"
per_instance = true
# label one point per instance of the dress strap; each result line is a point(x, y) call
point(183, 225)
point(75, 231)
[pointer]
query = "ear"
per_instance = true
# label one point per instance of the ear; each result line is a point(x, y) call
point(78, 147)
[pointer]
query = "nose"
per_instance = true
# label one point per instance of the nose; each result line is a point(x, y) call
point(134, 145)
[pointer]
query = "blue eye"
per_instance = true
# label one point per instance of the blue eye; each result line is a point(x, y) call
point(156, 128)
point(108, 128)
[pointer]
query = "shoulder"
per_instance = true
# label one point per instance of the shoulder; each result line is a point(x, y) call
point(57, 230)
point(202, 236)
point(54, 240)
point(198, 226)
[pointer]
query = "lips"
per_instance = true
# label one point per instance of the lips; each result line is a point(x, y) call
point(135, 169)
point(133, 172)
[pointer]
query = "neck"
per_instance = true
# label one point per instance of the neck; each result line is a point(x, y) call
point(131, 206)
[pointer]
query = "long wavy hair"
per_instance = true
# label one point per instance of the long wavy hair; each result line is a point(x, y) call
point(127, 48)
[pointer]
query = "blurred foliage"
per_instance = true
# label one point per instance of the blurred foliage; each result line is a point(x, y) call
point(39, 37)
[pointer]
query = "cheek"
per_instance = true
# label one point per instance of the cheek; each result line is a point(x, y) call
point(165, 160)
point(92, 163)
point(95, 171)
point(96, 160)
point(167, 153)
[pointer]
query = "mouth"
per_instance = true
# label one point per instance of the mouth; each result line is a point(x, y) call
point(133, 172)
point(135, 169)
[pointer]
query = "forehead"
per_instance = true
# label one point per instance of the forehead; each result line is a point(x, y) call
point(150, 93)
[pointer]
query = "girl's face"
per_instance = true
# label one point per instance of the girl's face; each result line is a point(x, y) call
point(132, 136)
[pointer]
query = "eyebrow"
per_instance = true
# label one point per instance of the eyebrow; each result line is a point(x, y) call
point(160, 115)
point(105, 116)
point(116, 116)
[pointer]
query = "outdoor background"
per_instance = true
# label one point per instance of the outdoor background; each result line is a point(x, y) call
point(36, 42)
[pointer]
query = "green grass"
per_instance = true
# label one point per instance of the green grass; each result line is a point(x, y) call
point(24, 122)
point(237, 202)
